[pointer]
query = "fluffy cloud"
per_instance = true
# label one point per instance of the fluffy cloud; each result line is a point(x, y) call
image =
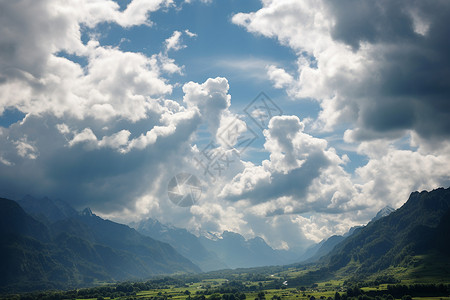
point(37, 78)
point(303, 174)
point(97, 117)
point(380, 65)
point(211, 98)
point(378, 69)
point(279, 77)
point(391, 173)
point(175, 41)
point(25, 149)
point(100, 129)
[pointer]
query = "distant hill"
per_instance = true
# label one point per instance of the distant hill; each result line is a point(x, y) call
point(324, 247)
point(183, 241)
point(75, 250)
point(230, 250)
point(419, 227)
point(237, 252)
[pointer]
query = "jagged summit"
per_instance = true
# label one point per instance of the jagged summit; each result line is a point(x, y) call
point(384, 212)
point(183, 241)
point(87, 212)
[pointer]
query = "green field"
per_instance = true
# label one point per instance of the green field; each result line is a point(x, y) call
point(268, 283)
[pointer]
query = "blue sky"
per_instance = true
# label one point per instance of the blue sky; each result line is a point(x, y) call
point(103, 103)
point(220, 49)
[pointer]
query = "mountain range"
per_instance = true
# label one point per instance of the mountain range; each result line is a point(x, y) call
point(46, 244)
point(324, 247)
point(231, 250)
point(44, 248)
point(212, 252)
point(183, 241)
point(238, 252)
point(414, 237)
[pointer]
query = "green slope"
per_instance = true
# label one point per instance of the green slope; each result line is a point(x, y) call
point(77, 251)
point(411, 237)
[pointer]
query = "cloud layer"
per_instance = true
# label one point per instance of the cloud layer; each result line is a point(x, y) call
point(377, 70)
point(102, 127)
point(378, 64)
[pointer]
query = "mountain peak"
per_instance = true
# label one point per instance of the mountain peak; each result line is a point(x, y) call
point(385, 211)
point(183, 241)
point(87, 212)
point(209, 235)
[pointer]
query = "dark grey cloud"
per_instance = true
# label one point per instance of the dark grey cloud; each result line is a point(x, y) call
point(408, 86)
point(294, 183)
point(370, 21)
point(102, 178)
point(111, 104)
point(22, 46)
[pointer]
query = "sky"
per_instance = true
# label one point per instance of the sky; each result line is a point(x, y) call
point(291, 120)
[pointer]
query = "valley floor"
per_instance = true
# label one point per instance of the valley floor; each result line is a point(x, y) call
point(251, 286)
